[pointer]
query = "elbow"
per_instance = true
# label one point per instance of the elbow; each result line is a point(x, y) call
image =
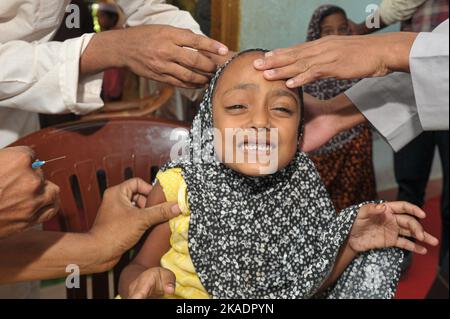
point(402, 10)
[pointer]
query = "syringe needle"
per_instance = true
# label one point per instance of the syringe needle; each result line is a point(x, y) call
point(56, 159)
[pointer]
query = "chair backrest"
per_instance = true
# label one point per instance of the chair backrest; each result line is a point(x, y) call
point(99, 154)
point(133, 108)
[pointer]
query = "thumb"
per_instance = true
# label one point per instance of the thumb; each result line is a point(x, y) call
point(370, 210)
point(378, 209)
point(159, 214)
point(168, 281)
point(154, 283)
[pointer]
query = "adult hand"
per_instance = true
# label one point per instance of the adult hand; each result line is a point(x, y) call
point(341, 57)
point(123, 219)
point(158, 52)
point(387, 225)
point(153, 283)
point(220, 60)
point(26, 199)
point(326, 119)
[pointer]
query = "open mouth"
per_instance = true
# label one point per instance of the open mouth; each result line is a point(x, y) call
point(255, 146)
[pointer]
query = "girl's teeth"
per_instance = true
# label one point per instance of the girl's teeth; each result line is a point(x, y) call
point(254, 147)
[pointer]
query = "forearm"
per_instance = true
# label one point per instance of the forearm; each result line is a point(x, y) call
point(103, 52)
point(346, 114)
point(390, 51)
point(345, 257)
point(396, 50)
point(42, 255)
point(128, 275)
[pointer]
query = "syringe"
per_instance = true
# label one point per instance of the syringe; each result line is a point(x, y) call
point(39, 163)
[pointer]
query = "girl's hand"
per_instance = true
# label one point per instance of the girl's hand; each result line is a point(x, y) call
point(153, 283)
point(386, 225)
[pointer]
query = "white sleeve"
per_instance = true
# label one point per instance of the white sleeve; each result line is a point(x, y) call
point(430, 76)
point(392, 11)
point(140, 12)
point(388, 104)
point(401, 106)
point(44, 77)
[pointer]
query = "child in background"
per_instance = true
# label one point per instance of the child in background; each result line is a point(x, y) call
point(345, 164)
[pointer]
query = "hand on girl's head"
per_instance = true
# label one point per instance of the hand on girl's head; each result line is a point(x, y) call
point(265, 114)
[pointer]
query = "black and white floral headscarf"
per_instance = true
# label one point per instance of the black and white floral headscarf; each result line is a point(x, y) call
point(270, 237)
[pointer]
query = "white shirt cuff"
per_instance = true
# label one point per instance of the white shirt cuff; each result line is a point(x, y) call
point(430, 77)
point(388, 104)
point(80, 95)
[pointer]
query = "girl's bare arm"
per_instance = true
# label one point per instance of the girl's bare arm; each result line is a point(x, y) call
point(156, 245)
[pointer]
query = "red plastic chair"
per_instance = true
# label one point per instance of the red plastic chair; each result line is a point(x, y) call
point(99, 154)
point(134, 108)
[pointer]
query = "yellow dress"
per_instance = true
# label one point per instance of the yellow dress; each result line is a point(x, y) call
point(178, 260)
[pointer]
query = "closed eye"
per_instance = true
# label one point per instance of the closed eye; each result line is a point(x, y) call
point(284, 110)
point(235, 107)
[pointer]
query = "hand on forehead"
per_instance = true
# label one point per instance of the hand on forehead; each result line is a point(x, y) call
point(240, 74)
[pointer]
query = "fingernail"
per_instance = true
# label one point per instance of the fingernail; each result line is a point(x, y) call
point(270, 73)
point(223, 50)
point(290, 83)
point(269, 54)
point(170, 289)
point(176, 209)
point(259, 63)
point(380, 207)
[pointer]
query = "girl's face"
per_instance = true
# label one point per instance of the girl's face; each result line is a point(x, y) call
point(334, 24)
point(256, 119)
